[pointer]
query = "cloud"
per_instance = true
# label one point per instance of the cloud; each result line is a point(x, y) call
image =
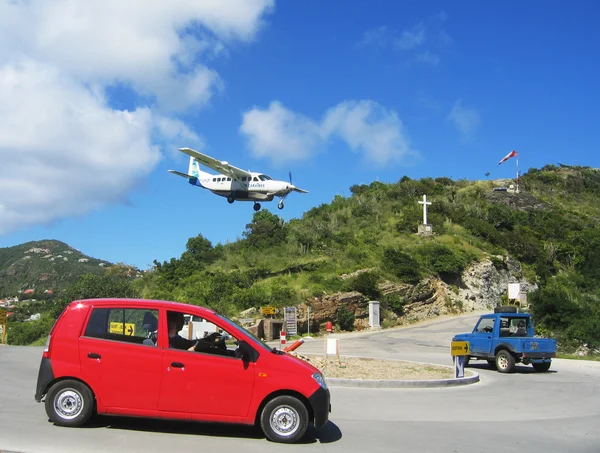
point(465, 119)
point(428, 57)
point(281, 135)
point(409, 39)
point(64, 150)
point(378, 36)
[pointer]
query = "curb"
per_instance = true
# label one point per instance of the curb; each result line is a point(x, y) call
point(379, 384)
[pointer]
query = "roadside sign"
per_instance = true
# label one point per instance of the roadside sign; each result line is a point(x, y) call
point(268, 310)
point(117, 327)
point(460, 348)
point(290, 319)
point(2, 316)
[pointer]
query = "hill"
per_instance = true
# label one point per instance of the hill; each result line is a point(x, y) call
point(342, 254)
point(42, 266)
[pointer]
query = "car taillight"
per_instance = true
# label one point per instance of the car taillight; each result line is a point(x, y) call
point(46, 353)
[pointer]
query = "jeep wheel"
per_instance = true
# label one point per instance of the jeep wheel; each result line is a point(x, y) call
point(284, 419)
point(69, 403)
point(505, 362)
point(541, 367)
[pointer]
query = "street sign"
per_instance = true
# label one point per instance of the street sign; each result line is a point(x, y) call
point(117, 327)
point(2, 316)
point(290, 319)
point(268, 310)
point(460, 348)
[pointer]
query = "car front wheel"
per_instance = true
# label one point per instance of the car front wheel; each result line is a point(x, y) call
point(284, 419)
point(69, 403)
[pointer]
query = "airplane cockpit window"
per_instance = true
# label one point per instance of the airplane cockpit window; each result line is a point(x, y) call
point(265, 178)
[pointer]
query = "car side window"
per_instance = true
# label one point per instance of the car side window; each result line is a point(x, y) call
point(486, 325)
point(131, 325)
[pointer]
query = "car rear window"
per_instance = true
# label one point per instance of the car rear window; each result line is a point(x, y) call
point(133, 325)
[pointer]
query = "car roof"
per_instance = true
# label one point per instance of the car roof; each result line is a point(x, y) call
point(147, 303)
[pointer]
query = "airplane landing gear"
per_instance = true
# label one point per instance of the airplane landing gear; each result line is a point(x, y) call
point(280, 204)
point(230, 199)
point(257, 206)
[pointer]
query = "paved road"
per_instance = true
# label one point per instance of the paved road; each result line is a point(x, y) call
point(550, 412)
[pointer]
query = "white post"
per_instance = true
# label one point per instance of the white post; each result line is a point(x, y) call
point(517, 173)
point(424, 203)
point(308, 319)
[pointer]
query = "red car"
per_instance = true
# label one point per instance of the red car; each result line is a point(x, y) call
point(126, 357)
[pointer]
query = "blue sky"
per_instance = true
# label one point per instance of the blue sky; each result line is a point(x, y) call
point(97, 97)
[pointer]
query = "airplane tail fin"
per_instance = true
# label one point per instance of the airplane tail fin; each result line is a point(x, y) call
point(194, 168)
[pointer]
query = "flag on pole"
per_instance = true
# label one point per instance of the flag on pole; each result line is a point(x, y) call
point(513, 153)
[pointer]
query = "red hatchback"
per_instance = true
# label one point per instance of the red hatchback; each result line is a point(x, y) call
point(170, 360)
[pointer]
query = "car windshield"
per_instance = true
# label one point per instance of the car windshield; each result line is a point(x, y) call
point(250, 334)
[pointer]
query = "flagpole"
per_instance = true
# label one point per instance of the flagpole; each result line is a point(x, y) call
point(517, 173)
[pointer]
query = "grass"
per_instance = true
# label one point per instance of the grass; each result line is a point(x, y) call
point(562, 355)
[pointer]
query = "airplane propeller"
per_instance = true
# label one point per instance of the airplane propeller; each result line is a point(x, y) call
point(292, 187)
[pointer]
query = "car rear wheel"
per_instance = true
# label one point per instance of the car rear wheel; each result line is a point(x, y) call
point(69, 403)
point(541, 367)
point(505, 362)
point(284, 419)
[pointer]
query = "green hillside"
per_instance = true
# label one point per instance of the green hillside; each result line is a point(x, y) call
point(41, 266)
point(551, 227)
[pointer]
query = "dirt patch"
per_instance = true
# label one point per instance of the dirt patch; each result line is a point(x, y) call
point(367, 368)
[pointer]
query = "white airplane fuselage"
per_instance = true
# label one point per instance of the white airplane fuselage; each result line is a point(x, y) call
point(242, 191)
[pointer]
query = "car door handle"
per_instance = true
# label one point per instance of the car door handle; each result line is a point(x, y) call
point(93, 355)
point(177, 365)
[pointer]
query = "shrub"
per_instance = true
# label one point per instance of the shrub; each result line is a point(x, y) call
point(401, 264)
point(345, 319)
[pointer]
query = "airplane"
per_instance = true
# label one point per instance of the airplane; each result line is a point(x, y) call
point(234, 183)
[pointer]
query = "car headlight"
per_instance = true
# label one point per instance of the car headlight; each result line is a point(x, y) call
point(320, 380)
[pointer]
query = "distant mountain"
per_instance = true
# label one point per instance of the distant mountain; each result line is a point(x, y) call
point(43, 266)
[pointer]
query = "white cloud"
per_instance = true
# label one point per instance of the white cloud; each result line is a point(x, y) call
point(63, 149)
point(465, 119)
point(279, 134)
point(282, 135)
point(378, 36)
point(409, 39)
point(428, 57)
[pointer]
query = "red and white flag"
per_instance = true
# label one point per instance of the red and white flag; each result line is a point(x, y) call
point(513, 153)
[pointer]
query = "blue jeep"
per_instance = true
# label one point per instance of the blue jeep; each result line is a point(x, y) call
point(505, 338)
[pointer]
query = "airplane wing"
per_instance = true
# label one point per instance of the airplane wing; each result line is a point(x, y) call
point(185, 175)
point(220, 166)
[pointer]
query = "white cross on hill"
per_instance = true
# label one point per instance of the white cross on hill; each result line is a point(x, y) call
point(424, 203)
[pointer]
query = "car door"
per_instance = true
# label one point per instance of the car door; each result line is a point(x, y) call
point(205, 384)
point(481, 339)
point(122, 366)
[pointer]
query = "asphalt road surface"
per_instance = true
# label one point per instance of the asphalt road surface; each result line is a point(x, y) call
point(552, 412)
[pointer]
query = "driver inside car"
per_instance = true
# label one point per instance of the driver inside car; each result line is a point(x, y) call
point(175, 321)
point(213, 343)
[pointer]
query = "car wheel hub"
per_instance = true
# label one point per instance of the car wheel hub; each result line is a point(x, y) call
point(68, 404)
point(284, 421)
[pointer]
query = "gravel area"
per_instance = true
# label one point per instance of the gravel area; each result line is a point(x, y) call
point(367, 368)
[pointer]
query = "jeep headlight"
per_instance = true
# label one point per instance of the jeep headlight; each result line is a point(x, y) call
point(320, 380)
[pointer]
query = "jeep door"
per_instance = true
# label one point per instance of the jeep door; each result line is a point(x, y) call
point(482, 336)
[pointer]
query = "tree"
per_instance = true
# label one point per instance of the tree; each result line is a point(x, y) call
point(265, 230)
